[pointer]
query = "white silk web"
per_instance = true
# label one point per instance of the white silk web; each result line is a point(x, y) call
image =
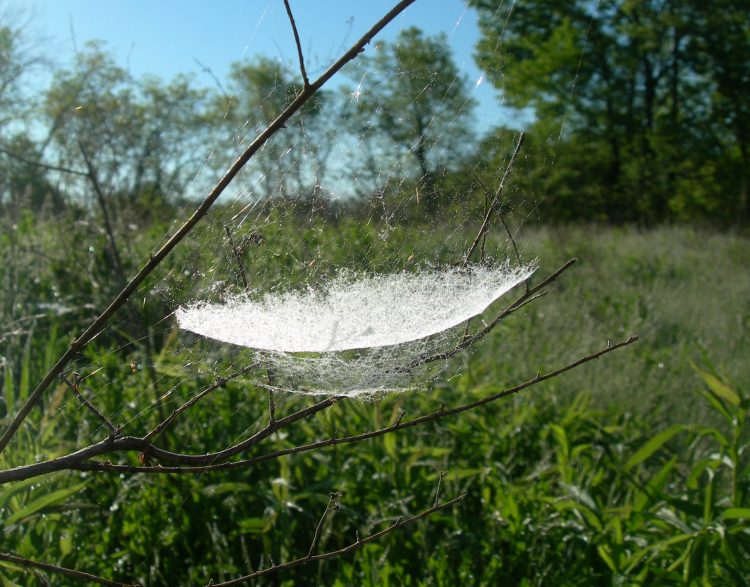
point(355, 335)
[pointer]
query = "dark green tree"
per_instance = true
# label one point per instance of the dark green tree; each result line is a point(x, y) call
point(625, 99)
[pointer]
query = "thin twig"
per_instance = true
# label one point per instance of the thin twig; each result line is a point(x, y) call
point(97, 325)
point(24, 562)
point(74, 386)
point(105, 211)
point(220, 382)
point(437, 491)
point(528, 296)
point(300, 56)
point(496, 199)
point(237, 253)
point(42, 165)
point(331, 505)
point(502, 219)
point(342, 551)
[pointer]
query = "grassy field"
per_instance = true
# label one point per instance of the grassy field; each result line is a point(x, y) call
point(629, 470)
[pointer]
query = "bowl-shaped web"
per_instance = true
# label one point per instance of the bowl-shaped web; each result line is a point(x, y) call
point(389, 320)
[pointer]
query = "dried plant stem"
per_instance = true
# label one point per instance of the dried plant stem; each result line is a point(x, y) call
point(97, 325)
point(24, 562)
point(332, 505)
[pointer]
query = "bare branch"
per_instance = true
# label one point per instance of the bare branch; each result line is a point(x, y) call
point(113, 445)
point(486, 223)
point(359, 543)
point(155, 259)
point(502, 220)
point(300, 56)
point(399, 425)
point(24, 562)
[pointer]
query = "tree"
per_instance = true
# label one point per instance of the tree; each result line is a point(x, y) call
point(621, 84)
point(412, 93)
point(133, 141)
point(295, 162)
point(21, 182)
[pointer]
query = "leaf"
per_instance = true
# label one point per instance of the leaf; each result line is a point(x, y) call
point(606, 557)
point(221, 488)
point(720, 388)
point(652, 445)
point(736, 514)
point(43, 502)
point(654, 485)
point(253, 526)
point(6, 493)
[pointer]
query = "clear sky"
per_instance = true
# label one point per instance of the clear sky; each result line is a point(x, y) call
point(166, 37)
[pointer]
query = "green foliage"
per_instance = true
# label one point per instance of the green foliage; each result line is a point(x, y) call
point(611, 474)
point(642, 106)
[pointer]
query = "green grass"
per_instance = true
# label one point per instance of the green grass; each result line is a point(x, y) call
point(630, 470)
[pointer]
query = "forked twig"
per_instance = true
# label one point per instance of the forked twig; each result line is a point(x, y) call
point(359, 543)
point(332, 505)
point(487, 217)
point(72, 573)
point(220, 382)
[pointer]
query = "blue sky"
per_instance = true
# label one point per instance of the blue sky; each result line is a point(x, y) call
point(166, 37)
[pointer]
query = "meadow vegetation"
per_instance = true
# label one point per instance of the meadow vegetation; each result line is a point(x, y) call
point(629, 470)
point(632, 470)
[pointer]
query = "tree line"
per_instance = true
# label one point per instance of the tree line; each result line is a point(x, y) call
point(640, 114)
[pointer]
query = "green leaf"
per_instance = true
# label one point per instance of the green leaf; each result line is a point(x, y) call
point(736, 514)
point(43, 502)
point(253, 526)
point(720, 388)
point(654, 486)
point(652, 445)
point(6, 493)
point(221, 488)
point(604, 553)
